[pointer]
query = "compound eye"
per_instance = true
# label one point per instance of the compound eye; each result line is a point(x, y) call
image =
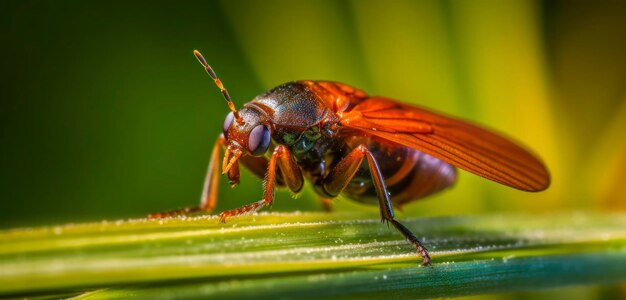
point(228, 121)
point(259, 140)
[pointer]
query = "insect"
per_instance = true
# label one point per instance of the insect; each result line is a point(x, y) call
point(370, 149)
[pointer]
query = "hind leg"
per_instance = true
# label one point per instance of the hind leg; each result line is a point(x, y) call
point(341, 175)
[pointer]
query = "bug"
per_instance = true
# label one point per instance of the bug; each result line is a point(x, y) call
point(370, 149)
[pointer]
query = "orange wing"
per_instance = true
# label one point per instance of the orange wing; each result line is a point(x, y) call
point(457, 142)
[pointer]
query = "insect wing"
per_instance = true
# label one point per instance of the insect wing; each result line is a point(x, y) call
point(457, 142)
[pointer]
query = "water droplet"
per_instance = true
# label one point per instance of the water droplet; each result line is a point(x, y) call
point(57, 230)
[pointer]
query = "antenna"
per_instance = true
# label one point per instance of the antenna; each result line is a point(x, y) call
point(218, 82)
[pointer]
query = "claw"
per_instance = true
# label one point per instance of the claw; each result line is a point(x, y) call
point(223, 217)
point(175, 213)
point(426, 261)
point(156, 216)
point(244, 210)
point(424, 253)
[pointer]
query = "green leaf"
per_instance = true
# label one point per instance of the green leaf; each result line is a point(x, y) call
point(312, 255)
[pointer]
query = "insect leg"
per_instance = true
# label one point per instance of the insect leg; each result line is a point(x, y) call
point(281, 159)
point(327, 204)
point(209, 191)
point(386, 209)
point(258, 167)
point(341, 175)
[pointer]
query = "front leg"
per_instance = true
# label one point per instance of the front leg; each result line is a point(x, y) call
point(343, 173)
point(292, 175)
point(208, 200)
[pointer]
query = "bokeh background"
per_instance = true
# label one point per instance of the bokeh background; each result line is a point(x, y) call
point(106, 114)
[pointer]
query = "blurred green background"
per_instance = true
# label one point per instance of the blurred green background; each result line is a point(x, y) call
point(106, 114)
